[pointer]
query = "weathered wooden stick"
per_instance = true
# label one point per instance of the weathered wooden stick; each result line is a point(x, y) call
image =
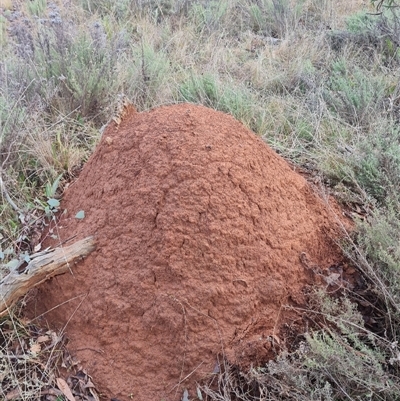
point(40, 268)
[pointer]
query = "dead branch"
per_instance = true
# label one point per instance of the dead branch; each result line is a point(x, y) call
point(41, 267)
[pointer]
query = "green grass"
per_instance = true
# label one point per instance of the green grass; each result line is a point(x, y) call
point(324, 94)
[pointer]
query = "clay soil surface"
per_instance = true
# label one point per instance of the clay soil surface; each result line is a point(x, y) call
point(200, 229)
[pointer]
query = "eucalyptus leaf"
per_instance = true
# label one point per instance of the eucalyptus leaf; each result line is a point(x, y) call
point(80, 214)
point(13, 264)
point(53, 203)
point(9, 251)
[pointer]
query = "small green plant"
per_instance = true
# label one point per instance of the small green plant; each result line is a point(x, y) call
point(49, 207)
point(3, 28)
point(149, 74)
point(207, 90)
point(51, 188)
point(37, 7)
point(378, 255)
point(119, 9)
point(51, 204)
point(383, 3)
point(354, 94)
point(369, 164)
point(276, 18)
point(71, 71)
point(209, 16)
point(339, 359)
point(257, 18)
point(361, 23)
point(367, 31)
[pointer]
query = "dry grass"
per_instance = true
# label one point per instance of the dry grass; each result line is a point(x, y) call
point(33, 362)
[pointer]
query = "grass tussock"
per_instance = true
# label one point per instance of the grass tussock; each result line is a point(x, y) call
point(318, 80)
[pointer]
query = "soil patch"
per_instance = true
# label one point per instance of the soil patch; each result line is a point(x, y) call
point(202, 233)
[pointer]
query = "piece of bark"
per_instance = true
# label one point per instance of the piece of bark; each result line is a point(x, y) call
point(41, 267)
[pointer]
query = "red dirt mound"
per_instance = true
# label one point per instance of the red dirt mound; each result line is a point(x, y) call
point(200, 227)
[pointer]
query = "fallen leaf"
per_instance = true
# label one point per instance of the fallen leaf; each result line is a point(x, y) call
point(53, 203)
point(63, 386)
point(24, 321)
point(52, 392)
point(185, 396)
point(54, 337)
point(12, 264)
point(89, 384)
point(37, 248)
point(35, 349)
point(216, 369)
point(94, 395)
point(42, 339)
point(80, 214)
point(332, 278)
point(13, 395)
point(276, 338)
